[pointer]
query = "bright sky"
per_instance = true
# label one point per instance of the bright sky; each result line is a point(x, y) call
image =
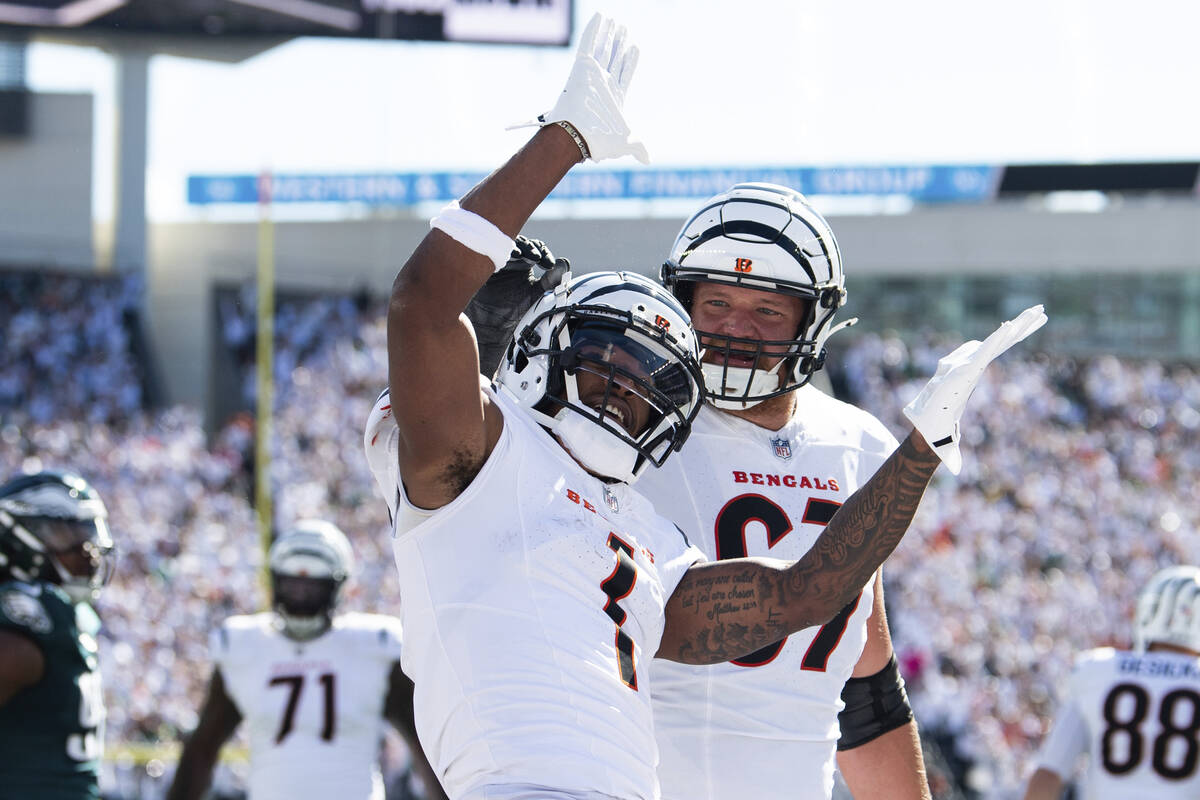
point(746, 83)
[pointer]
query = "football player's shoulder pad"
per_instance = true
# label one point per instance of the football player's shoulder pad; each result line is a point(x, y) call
point(842, 422)
point(1097, 655)
point(23, 608)
point(235, 634)
point(378, 632)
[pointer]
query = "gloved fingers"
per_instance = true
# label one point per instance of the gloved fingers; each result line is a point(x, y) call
point(957, 357)
point(533, 250)
point(544, 257)
point(1014, 330)
point(625, 74)
point(638, 151)
point(525, 252)
point(613, 65)
point(587, 42)
point(520, 248)
point(555, 275)
point(602, 46)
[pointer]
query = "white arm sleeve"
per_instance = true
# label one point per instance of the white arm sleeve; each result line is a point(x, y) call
point(1065, 742)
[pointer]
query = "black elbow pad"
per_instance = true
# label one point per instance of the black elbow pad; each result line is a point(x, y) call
point(874, 705)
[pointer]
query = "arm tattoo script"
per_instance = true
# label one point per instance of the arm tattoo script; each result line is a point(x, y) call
point(726, 609)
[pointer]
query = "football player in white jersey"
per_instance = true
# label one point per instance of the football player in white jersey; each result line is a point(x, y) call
point(1136, 715)
point(314, 687)
point(535, 582)
point(769, 461)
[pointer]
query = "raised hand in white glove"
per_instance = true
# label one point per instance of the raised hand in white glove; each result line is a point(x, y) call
point(593, 98)
point(935, 412)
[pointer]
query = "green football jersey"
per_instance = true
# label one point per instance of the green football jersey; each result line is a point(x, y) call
point(52, 733)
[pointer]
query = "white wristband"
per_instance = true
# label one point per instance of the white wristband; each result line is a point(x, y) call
point(474, 233)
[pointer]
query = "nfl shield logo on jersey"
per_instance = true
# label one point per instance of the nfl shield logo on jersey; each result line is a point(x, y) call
point(783, 448)
point(611, 499)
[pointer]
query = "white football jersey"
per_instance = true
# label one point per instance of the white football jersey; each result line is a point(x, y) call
point(765, 725)
point(532, 605)
point(313, 710)
point(1137, 717)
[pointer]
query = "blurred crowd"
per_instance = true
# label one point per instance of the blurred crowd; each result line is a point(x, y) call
point(1074, 491)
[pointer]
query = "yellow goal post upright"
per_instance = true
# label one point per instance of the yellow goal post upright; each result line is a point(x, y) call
point(264, 367)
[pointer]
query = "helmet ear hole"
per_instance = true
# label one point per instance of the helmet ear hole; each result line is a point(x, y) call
point(811, 364)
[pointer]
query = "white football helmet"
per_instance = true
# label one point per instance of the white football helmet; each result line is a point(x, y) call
point(630, 332)
point(1168, 610)
point(309, 564)
point(766, 237)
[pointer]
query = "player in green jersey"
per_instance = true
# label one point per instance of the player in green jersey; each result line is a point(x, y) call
point(54, 557)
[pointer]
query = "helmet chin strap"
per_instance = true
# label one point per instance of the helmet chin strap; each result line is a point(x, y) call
point(598, 450)
point(739, 382)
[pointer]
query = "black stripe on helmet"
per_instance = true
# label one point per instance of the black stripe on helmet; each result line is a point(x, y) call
point(762, 230)
point(651, 290)
point(821, 237)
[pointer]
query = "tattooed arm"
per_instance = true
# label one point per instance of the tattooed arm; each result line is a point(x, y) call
point(725, 609)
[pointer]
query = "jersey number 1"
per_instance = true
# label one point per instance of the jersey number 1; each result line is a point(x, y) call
point(617, 586)
point(731, 543)
point(295, 684)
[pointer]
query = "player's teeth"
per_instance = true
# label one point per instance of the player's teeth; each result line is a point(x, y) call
point(616, 412)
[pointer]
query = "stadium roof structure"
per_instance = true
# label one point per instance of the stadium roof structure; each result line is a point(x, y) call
point(527, 22)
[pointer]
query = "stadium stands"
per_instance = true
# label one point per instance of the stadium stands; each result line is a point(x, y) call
point(1078, 484)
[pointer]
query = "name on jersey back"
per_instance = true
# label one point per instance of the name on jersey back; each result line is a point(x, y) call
point(1154, 667)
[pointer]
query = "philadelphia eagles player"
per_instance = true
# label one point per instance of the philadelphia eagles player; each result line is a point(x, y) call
point(54, 557)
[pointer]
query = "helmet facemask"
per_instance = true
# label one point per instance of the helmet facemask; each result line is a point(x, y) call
point(636, 404)
point(618, 387)
point(309, 565)
point(55, 529)
point(305, 605)
point(767, 238)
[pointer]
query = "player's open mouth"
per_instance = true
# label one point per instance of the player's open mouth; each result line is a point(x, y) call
point(619, 413)
point(732, 360)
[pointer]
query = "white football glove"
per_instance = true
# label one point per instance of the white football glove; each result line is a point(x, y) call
point(595, 92)
point(935, 412)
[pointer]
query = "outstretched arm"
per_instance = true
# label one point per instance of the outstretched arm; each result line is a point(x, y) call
point(218, 721)
point(399, 711)
point(447, 427)
point(725, 609)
